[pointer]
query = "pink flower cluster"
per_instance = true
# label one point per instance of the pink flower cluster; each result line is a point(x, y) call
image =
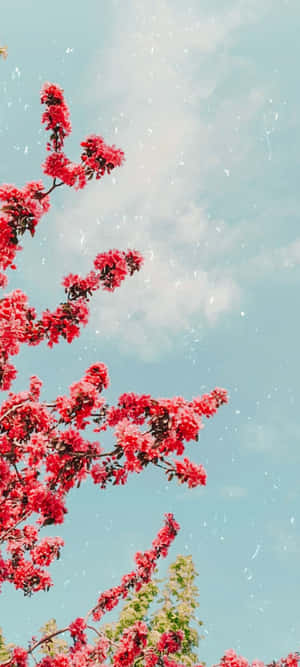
point(96, 158)
point(56, 116)
point(99, 158)
point(84, 396)
point(131, 645)
point(170, 642)
point(231, 659)
point(58, 165)
point(20, 212)
point(111, 268)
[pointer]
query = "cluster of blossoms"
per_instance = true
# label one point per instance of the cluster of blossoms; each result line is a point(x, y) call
point(231, 659)
point(96, 158)
point(99, 158)
point(21, 210)
point(56, 116)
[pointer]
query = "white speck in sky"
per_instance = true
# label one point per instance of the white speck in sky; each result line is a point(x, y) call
point(227, 172)
point(82, 238)
point(292, 520)
point(69, 50)
point(256, 552)
point(248, 574)
point(242, 313)
point(16, 73)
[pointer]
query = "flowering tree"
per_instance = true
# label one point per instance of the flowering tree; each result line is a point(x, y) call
point(43, 453)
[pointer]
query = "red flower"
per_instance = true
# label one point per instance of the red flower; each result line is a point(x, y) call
point(99, 158)
point(56, 117)
point(189, 472)
point(19, 657)
point(77, 630)
point(170, 642)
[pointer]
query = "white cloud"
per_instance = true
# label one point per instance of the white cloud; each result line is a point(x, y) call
point(162, 65)
point(278, 440)
point(233, 491)
point(274, 261)
point(285, 538)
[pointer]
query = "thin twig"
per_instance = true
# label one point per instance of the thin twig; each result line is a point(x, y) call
point(53, 186)
point(47, 638)
point(14, 407)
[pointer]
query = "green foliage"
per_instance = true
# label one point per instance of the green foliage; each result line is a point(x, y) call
point(5, 649)
point(170, 609)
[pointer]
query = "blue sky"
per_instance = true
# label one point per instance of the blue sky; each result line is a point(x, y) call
point(204, 99)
